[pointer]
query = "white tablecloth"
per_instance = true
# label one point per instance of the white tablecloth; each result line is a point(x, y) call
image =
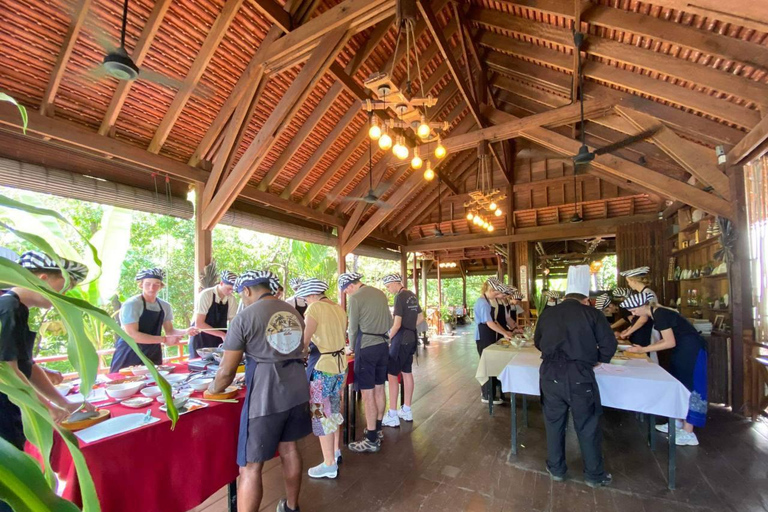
point(638, 386)
point(493, 360)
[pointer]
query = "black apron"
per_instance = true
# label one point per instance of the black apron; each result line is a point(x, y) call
point(11, 426)
point(358, 342)
point(150, 322)
point(216, 317)
point(487, 335)
point(558, 367)
point(242, 435)
point(314, 357)
point(401, 339)
point(301, 309)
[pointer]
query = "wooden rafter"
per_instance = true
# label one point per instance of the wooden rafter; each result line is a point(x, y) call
point(751, 141)
point(138, 55)
point(659, 183)
point(46, 103)
point(319, 62)
point(274, 13)
point(637, 83)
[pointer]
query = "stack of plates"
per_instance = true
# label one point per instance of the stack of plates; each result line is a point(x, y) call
point(703, 326)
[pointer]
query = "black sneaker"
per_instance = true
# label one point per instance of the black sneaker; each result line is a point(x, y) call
point(282, 506)
point(554, 477)
point(365, 446)
point(379, 433)
point(600, 483)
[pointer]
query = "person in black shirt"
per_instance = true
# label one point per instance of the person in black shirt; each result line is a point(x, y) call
point(688, 363)
point(17, 342)
point(573, 338)
point(403, 342)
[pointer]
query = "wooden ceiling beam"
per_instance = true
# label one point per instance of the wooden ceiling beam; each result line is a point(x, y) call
point(635, 82)
point(453, 66)
point(377, 174)
point(275, 13)
point(563, 231)
point(70, 38)
point(291, 101)
point(751, 141)
point(215, 35)
point(700, 162)
point(693, 126)
point(253, 194)
point(138, 55)
point(69, 133)
point(655, 181)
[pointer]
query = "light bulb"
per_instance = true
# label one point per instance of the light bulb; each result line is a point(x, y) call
point(416, 162)
point(400, 150)
point(470, 216)
point(374, 132)
point(476, 221)
point(429, 174)
point(385, 141)
point(423, 130)
point(492, 206)
point(440, 150)
point(498, 212)
point(490, 228)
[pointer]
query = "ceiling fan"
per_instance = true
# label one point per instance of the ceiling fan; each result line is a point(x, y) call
point(119, 65)
point(439, 232)
point(373, 196)
point(583, 159)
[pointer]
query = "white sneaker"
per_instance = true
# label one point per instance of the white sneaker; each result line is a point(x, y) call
point(405, 415)
point(663, 428)
point(683, 438)
point(390, 420)
point(483, 399)
point(323, 471)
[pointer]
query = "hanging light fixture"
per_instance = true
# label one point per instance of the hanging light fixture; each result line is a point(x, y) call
point(485, 197)
point(492, 206)
point(416, 161)
point(400, 150)
point(429, 174)
point(498, 212)
point(385, 141)
point(423, 131)
point(490, 228)
point(440, 150)
point(374, 132)
point(470, 216)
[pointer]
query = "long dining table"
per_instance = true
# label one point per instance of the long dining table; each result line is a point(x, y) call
point(638, 386)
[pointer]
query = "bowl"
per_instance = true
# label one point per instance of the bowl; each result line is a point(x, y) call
point(166, 367)
point(623, 347)
point(121, 391)
point(139, 370)
point(176, 378)
point(151, 391)
point(619, 361)
point(150, 378)
point(179, 399)
point(207, 352)
point(201, 384)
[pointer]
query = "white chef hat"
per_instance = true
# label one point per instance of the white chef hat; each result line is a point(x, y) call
point(578, 280)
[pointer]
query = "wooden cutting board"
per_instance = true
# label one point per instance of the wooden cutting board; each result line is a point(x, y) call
point(74, 426)
point(230, 392)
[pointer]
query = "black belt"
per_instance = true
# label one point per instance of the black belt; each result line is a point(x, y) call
point(385, 335)
point(338, 355)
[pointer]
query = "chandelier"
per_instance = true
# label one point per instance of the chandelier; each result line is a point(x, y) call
point(452, 264)
point(485, 200)
point(411, 110)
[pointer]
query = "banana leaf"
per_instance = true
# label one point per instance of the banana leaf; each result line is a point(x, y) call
point(114, 238)
point(23, 487)
point(22, 110)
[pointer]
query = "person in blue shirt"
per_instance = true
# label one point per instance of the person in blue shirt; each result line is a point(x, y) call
point(491, 325)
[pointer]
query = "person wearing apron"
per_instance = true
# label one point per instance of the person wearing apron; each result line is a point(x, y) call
point(144, 317)
point(688, 362)
point(325, 339)
point(275, 412)
point(573, 338)
point(491, 325)
point(404, 341)
point(17, 342)
point(512, 298)
point(216, 306)
point(638, 280)
point(369, 324)
point(297, 302)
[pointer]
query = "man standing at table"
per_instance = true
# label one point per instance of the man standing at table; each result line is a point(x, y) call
point(369, 324)
point(216, 307)
point(276, 408)
point(404, 339)
point(574, 338)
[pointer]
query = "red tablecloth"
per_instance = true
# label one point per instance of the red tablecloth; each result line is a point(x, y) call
point(154, 468)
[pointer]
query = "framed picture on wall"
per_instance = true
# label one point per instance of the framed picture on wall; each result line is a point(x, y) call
point(718, 323)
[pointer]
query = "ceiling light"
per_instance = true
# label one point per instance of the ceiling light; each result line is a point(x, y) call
point(374, 132)
point(429, 174)
point(470, 216)
point(490, 228)
point(385, 141)
point(400, 150)
point(423, 130)
point(498, 212)
point(416, 162)
point(440, 150)
point(492, 206)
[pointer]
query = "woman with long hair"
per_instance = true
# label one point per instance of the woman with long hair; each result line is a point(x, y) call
point(688, 362)
point(491, 324)
point(640, 331)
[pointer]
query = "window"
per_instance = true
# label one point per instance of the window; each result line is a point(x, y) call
point(756, 184)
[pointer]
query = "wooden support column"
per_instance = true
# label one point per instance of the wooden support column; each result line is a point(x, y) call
point(463, 283)
point(342, 267)
point(741, 300)
point(203, 245)
point(510, 264)
point(404, 265)
point(415, 277)
point(439, 298)
point(426, 266)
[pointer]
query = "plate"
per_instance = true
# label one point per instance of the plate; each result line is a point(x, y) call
point(137, 402)
point(623, 347)
point(230, 392)
point(166, 367)
point(191, 405)
point(73, 426)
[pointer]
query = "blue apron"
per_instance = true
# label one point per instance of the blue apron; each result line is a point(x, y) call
point(358, 342)
point(150, 322)
point(242, 434)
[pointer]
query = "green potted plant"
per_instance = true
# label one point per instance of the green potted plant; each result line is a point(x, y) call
point(449, 320)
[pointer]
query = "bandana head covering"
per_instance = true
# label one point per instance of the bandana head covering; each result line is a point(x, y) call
point(228, 277)
point(552, 294)
point(496, 284)
point(602, 301)
point(392, 278)
point(295, 283)
point(635, 272)
point(637, 300)
point(348, 278)
point(256, 277)
point(514, 293)
point(622, 293)
point(311, 286)
point(35, 260)
point(151, 273)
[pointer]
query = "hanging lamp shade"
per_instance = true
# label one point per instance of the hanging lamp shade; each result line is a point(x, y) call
point(385, 141)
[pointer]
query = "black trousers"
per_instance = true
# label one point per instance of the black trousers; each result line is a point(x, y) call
point(485, 389)
point(557, 398)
